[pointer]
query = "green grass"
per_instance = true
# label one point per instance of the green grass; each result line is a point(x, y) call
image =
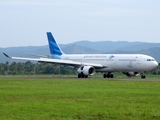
point(46, 99)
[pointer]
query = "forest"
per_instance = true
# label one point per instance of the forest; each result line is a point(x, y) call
point(29, 68)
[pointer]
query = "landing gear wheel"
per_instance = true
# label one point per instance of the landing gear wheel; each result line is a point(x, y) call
point(104, 76)
point(108, 75)
point(111, 76)
point(86, 76)
point(143, 76)
point(79, 76)
point(83, 76)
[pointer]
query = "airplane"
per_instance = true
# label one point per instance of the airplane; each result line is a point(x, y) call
point(89, 64)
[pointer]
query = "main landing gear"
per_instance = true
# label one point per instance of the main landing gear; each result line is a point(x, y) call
point(109, 75)
point(81, 75)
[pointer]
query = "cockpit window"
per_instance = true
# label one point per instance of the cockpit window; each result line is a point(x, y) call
point(150, 60)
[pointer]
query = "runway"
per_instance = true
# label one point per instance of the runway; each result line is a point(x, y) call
point(75, 78)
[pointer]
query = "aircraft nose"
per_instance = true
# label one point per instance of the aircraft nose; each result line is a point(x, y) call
point(152, 65)
point(155, 64)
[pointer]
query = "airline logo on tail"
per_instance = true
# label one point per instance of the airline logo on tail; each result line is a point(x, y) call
point(55, 50)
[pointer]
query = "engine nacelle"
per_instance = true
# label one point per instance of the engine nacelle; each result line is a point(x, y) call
point(129, 74)
point(86, 70)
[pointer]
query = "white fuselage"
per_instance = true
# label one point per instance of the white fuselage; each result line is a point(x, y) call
point(116, 62)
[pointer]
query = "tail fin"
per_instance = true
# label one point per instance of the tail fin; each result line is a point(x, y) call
point(54, 48)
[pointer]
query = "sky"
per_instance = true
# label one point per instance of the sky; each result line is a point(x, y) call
point(25, 22)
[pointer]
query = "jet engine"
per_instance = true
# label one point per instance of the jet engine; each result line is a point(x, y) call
point(86, 70)
point(129, 74)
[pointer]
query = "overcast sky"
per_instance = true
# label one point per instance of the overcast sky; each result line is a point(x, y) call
point(25, 22)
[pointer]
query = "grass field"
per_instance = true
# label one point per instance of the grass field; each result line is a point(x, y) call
point(60, 98)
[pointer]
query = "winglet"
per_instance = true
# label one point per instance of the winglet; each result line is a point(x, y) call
point(6, 55)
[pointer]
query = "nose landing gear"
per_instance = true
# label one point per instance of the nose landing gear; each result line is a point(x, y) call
point(143, 75)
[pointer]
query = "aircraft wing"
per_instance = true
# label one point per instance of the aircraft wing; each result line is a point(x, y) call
point(57, 61)
point(37, 55)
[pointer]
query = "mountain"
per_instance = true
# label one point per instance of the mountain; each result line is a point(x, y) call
point(84, 47)
point(109, 46)
point(76, 49)
point(22, 52)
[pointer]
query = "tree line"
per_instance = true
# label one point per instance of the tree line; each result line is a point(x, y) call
point(29, 68)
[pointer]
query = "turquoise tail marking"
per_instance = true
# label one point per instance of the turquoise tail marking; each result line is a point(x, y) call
point(54, 48)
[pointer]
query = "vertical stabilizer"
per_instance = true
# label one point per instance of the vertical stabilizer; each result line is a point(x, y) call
point(53, 46)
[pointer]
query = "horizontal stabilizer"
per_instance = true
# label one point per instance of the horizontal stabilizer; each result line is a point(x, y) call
point(6, 55)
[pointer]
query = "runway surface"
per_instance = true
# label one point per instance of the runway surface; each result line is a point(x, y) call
point(75, 78)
